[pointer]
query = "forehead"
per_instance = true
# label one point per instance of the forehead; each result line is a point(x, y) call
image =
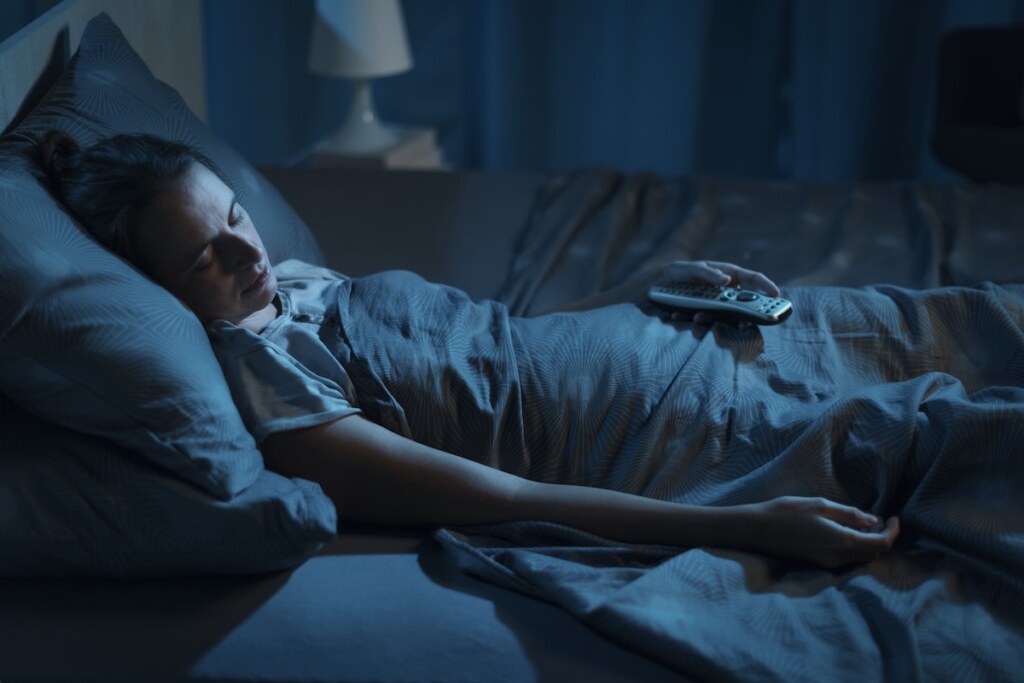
point(197, 203)
point(199, 189)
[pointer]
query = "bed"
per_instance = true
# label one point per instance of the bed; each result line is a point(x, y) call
point(142, 541)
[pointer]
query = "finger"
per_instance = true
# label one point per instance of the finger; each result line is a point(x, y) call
point(850, 516)
point(703, 319)
point(726, 273)
point(851, 545)
point(892, 529)
point(753, 280)
point(750, 279)
point(874, 542)
point(761, 281)
point(683, 316)
point(688, 271)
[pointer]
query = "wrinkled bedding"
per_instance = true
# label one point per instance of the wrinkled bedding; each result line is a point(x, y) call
point(590, 229)
point(898, 400)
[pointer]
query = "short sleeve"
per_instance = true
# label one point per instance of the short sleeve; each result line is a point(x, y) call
point(273, 391)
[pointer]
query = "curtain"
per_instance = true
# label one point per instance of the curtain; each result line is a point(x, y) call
point(830, 90)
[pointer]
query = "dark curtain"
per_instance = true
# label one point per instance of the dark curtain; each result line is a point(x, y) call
point(830, 90)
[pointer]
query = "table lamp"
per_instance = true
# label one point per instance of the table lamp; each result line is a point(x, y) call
point(359, 40)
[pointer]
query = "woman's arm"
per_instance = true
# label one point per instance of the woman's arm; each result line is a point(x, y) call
point(377, 477)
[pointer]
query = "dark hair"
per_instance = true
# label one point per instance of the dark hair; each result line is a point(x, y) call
point(105, 185)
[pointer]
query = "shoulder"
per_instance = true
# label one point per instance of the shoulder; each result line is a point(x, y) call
point(294, 269)
point(228, 339)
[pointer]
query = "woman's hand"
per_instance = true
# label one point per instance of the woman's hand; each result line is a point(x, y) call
point(820, 531)
point(634, 289)
point(718, 273)
point(715, 273)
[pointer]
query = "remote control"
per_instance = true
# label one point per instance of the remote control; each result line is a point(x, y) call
point(731, 304)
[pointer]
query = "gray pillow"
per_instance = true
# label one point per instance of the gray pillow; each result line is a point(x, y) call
point(88, 343)
point(107, 89)
point(74, 505)
point(86, 340)
point(118, 369)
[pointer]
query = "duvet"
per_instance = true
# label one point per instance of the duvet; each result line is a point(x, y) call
point(899, 401)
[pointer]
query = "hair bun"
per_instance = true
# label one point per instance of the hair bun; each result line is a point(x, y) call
point(56, 153)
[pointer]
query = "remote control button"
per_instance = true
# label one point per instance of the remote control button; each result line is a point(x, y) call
point(747, 296)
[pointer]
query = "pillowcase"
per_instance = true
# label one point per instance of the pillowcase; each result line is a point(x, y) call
point(85, 340)
point(72, 504)
point(107, 89)
point(121, 451)
point(88, 343)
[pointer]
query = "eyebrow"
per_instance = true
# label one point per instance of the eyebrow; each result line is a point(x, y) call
point(199, 252)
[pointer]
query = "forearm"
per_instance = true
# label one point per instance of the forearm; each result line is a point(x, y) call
point(376, 477)
point(634, 519)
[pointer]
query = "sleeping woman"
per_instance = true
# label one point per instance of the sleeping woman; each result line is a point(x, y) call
point(412, 405)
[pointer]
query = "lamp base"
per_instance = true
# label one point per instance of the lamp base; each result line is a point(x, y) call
point(363, 132)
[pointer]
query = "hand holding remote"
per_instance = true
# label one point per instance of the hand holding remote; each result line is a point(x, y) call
point(723, 303)
point(718, 273)
point(713, 290)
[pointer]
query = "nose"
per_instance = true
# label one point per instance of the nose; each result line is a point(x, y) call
point(242, 253)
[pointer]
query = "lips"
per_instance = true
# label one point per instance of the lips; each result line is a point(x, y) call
point(258, 282)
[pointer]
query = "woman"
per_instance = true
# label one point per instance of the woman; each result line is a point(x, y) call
point(461, 389)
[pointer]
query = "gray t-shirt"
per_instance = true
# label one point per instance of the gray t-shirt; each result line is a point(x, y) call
point(285, 378)
point(564, 397)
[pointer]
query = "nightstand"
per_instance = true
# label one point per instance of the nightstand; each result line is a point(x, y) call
point(416, 149)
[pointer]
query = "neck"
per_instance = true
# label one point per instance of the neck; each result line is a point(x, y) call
point(259, 320)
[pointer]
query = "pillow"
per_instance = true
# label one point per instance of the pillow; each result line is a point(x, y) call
point(85, 340)
point(107, 89)
point(72, 504)
point(121, 451)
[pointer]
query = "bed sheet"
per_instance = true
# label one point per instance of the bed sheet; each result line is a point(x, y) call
point(894, 400)
point(590, 229)
point(936, 435)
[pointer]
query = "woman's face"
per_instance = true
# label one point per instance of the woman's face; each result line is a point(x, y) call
point(200, 244)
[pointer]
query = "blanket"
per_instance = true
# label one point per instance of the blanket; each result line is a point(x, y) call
point(904, 398)
point(894, 400)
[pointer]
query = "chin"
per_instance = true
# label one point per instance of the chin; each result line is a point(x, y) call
point(270, 291)
point(266, 297)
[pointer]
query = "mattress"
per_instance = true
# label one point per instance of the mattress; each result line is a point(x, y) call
point(370, 606)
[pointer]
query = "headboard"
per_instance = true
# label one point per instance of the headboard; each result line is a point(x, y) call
point(33, 58)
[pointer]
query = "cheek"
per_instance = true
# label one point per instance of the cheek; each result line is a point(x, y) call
point(201, 296)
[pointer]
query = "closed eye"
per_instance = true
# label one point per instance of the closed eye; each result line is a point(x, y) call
point(236, 214)
point(201, 262)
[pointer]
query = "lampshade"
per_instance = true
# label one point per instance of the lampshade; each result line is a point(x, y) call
point(359, 39)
